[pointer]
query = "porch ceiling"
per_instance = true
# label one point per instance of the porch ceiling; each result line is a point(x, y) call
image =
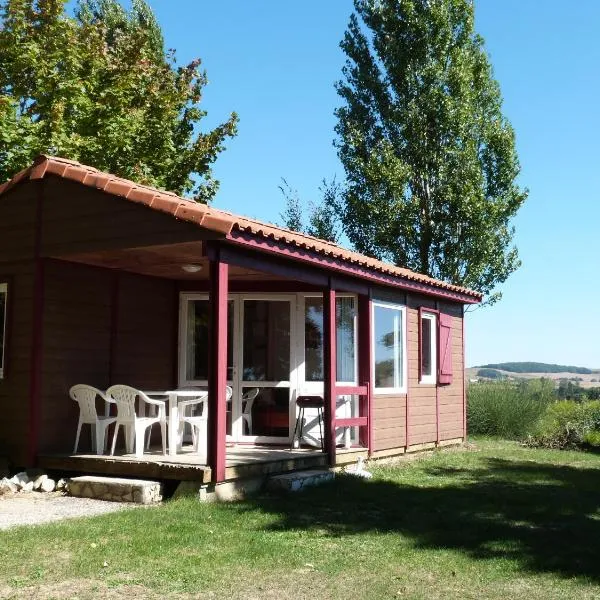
point(165, 261)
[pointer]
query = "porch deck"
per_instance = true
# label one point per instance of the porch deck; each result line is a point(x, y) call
point(242, 462)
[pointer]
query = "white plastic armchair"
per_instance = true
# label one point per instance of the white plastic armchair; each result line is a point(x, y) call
point(247, 402)
point(85, 396)
point(198, 422)
point(133, 425)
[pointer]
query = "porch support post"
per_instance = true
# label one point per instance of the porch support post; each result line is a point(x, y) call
point(365, 368)
point(330, 370)
point(217, 376)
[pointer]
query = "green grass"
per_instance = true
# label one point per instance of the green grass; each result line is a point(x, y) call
point(495, 522)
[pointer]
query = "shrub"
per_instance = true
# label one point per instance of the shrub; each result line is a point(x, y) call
point(568, 424)
point(508, 410)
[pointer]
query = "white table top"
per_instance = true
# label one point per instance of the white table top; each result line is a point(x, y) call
point(180, 393)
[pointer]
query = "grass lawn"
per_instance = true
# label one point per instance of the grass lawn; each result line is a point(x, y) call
point(499, 521)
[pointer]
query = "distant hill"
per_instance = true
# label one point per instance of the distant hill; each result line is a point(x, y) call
point(536, 367)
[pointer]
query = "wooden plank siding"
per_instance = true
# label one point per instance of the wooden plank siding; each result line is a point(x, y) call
point(425, 401)
point(79, 219)
point(84, 344)
point(17, 241)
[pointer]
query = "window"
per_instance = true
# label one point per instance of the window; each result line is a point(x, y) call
point(389, 343)
point(3, 305)
point(345, 308)
point(428, 347)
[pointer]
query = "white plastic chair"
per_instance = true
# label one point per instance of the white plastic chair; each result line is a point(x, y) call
point(247, 402)
point(197, 422)
point(135, 426)
point(85, 396)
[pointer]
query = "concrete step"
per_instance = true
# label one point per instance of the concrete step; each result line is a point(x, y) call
point(298, 480)
point(115, 489)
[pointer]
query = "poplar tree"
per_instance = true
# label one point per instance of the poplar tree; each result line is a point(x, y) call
point(430, 160)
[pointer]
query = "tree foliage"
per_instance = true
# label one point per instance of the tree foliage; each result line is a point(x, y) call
point(99, 87)
point(429, 158)
point(319, 219)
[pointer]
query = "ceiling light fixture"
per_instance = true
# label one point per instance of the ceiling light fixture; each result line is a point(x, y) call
point(191, 268)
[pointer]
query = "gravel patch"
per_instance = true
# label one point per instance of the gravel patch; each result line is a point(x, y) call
point(32, 508)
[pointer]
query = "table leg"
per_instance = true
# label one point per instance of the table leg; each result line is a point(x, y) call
point(173, 424)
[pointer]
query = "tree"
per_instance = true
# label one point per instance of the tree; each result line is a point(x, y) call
point(430, 160)
point(319, 219)
point(99, 87)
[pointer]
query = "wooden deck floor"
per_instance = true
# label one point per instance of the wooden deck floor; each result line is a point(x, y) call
point(242, 462)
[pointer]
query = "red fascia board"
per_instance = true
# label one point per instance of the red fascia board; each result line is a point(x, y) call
point(339, 266)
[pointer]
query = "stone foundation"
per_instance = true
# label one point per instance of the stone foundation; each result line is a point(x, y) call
point(115, 489)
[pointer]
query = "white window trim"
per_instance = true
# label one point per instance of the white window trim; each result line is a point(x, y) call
point(429, 379)
point(378, 391)
point(4, 290)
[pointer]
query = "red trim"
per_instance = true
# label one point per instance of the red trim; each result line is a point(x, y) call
point(339, 266)
point(464, 392)
point(437, 414)
point(365, 365)
point(351, 390)
point(37, 337)
point(217, 382)
point(352, 422)
point(250, 287)
point(330, 370)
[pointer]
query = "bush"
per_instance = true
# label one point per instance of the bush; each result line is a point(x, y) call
point(568, 424)
point(508, 410)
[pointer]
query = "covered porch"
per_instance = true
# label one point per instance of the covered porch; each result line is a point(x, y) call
point(265, 327)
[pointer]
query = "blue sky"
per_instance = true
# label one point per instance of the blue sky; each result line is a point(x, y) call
point(275, 62)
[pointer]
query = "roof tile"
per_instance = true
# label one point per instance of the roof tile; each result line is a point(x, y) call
point(217, 220)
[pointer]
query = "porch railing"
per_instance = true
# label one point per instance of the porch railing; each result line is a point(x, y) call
point(362, 420)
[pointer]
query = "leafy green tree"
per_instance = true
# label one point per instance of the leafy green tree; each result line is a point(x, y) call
point(319, 219)
point(99, 87)
point(430, 160)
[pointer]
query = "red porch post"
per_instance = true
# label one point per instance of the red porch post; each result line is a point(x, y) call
point(330, 370)
point(365, 367)
point(217, 375)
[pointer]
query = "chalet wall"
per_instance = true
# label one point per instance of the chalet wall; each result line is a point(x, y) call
point(100, 328)
point(81, 219)
point(15, 386)
point(390, 412)
point(17, 241)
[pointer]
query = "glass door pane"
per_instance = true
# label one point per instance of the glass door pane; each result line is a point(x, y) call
point(197, 342)
point(266, 366)
point(345, 339)
point(197, 347)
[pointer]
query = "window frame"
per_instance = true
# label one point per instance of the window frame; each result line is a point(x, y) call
point(401, 308)
point(301, 349)
point(4, 289)
point(433, 316)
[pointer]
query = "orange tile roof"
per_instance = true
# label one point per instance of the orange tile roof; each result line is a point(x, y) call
point(213, 219)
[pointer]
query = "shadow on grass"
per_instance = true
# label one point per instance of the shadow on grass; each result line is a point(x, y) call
point(545, 517)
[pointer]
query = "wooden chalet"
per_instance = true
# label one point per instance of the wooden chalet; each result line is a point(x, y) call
point(104, 281)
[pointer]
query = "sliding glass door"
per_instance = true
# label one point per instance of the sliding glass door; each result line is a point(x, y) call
point(259, 361)
point(263, 413)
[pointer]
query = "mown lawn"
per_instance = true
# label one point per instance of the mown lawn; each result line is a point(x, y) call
point(499, 521)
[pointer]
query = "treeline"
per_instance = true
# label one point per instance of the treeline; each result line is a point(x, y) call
point(537, 367)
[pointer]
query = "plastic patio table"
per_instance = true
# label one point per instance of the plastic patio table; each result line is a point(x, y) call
point(173, 396)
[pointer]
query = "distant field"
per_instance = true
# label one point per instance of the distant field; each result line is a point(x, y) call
point(584, 380)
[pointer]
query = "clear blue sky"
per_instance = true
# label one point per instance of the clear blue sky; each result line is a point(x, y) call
point(275, 63)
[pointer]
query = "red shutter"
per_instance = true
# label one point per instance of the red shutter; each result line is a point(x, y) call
point(445, 349)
